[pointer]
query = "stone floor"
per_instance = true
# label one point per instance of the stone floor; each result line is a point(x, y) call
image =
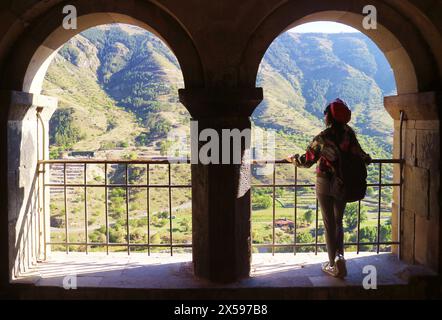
point(165, 272)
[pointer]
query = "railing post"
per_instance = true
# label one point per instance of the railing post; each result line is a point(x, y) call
point(106, 206)
point(86, 231)
point(148, 207)
point(295, 211)
point(273, 207)
point(127, 209)
point(379, 208)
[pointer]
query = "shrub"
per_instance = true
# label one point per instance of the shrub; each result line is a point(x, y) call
point(163, 215)
point(185, 225)
point(56, 221)
point(308, 216)
point(261, 202)
point(351, 215)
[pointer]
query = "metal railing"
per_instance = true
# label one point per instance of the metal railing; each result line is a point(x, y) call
point(296, 186)
point(107, 185)
point(128, 187)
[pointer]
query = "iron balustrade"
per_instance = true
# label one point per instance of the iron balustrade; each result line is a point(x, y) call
point(127, 186)
point(296, 186)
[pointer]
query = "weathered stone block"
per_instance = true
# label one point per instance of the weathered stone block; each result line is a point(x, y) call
point(416, 185)
point(407, 247)
point(409, 141)
point(427, 241)
point(408, 197)
point(428, 125)
point(410, 124)
point(427, 149)
point(394, 226)
point(435, 193)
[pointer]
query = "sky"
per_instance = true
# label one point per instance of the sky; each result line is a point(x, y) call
point(323, 27)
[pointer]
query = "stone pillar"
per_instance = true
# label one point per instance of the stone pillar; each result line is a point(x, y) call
point(25, 143)
point(221, 192)
point(421, 196)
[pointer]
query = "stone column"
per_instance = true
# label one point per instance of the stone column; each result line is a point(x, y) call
point(221, 192)
point(421, 195)
point(27, 142)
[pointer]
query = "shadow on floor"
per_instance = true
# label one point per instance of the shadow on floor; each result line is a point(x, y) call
point(165, 272)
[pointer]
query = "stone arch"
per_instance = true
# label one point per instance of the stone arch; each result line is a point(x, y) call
point(398, 39)
point(34, 51)
point(27, 113)
point(411, 44)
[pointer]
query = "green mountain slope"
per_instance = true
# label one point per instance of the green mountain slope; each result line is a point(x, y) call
point(118, 91)
point(84, 107)
point(300, 73)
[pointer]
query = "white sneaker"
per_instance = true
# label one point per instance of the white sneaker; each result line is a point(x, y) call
point(328, 269)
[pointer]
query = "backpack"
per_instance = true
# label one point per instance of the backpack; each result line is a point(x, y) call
point(349, 183)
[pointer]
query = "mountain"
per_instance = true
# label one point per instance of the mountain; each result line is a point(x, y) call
point(117, 89)
point(300, 73)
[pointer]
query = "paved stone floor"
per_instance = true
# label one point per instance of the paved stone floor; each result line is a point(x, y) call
point(163, 271)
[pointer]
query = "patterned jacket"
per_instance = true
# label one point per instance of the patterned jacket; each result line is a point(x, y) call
point(324, 148)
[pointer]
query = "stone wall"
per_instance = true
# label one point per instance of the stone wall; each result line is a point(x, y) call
point(26, 145)
point(420, 221)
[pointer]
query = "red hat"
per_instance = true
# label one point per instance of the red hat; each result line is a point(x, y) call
point(340, 111)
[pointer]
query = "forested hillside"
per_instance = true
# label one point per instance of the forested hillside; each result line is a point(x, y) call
point(118, 84)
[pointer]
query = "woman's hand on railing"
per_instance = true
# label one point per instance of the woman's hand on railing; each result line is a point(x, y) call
point(293, 158)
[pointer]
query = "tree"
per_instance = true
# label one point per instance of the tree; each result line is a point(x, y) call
point(304, 237)
point(308, 216)
point(61, 129)
point(163, 215)
point(261, 202)
point(185, 225)
point(137, 235)
point(351, 215)
point(367, 234)
point(155, 238)
point(385, 233)
point(160, 223)
point(370, 191)
point(279, 192)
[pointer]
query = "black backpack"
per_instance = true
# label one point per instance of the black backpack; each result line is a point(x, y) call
point(349, 183)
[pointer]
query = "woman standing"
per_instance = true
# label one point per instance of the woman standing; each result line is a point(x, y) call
point(326, 148)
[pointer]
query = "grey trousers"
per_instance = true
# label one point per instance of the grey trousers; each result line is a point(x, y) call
point(332, 214)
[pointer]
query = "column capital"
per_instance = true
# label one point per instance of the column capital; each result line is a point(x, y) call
point(220, 102)
point(21, 103)
point(416, 106)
